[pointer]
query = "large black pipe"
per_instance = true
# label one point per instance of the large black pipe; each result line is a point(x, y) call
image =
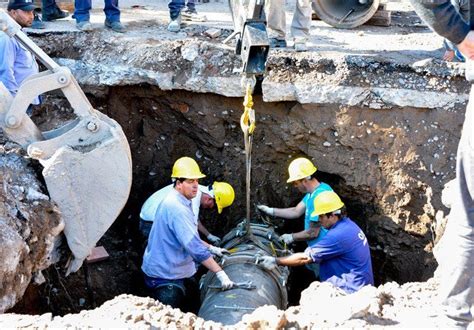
point(228, 307)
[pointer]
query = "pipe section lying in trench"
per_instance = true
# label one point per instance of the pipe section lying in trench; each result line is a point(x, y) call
point(269, 287)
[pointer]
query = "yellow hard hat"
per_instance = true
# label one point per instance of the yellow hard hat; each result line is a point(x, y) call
point(223, 194)
point(326, 202)
point(186, 168)
point(300, 168)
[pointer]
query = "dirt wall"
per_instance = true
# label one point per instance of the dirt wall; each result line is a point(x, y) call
point(383, 163)
point(388, 165)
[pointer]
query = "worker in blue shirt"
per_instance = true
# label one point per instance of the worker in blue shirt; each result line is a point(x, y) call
point(174, 245)
point(344, 253)
point(302, 174)
point(17, 62)
point(220, 194)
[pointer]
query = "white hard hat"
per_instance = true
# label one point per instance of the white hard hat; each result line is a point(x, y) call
point(206, 190)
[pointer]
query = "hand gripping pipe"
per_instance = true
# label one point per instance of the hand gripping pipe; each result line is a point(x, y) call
point(257, 285)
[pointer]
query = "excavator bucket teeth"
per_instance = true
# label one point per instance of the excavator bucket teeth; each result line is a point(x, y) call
point(88, 174)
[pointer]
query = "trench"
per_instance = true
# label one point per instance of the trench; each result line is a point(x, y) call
point(162, 126)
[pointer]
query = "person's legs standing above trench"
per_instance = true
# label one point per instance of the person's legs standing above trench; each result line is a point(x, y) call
point(301, 23)
point(276, 22)
point(456, 266)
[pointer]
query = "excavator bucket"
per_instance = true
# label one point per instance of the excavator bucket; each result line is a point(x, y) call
point(87, 173)
point(90, 181)
point(87, 162)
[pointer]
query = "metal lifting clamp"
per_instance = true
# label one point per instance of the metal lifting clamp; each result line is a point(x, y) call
point(87, 162)
point(252, 41)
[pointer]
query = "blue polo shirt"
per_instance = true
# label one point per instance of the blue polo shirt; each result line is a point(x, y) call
point(174, 244)
point(308, 201)
point(16, 64)
point(344, 256)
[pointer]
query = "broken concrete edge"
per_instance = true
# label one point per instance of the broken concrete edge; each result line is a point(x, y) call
point(318, 90)
point(374, 98)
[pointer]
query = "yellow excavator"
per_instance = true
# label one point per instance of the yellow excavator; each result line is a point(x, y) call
point(86, 163)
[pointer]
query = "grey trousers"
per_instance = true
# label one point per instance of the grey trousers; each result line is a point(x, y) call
point(276, 19)
point(456, 256)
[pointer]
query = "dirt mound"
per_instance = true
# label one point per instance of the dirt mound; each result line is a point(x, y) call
point(322, 305)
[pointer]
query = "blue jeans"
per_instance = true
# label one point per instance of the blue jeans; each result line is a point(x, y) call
point(180, 293)
point(175, 7)
point(48, 7)
point(83, 7)
point(456, 266)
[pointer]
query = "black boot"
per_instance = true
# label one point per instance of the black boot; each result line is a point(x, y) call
point(56, 14)
point(37, 22)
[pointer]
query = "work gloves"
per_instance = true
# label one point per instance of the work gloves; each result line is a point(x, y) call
point(266, 209)
point(287, 238)
point(226, 283)
point(213, 239)
point(267, 262)
point(217, 251)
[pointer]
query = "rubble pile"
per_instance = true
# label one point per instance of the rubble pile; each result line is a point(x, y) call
point(321, 305)
point(30, 225)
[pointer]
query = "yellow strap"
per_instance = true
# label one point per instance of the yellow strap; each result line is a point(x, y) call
point(247, 121)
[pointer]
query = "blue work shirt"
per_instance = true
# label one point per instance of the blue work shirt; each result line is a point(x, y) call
point(174, 244)
point(16, 64)
point(344, 256)
point(308, 201)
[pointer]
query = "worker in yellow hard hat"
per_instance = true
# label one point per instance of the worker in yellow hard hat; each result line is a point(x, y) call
point(302, 175)
point(343, 253)
point(220, 194)
point(174, 245)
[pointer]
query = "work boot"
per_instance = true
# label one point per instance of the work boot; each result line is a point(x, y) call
point(114, 26)
point(193, 16)
point(56, 14)
point(277, 43)
point(85, 26)
point(175, 24)
point(37, 22)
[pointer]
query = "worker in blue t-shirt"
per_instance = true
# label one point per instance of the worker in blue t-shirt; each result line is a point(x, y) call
point(343, 254)
point(302, 174)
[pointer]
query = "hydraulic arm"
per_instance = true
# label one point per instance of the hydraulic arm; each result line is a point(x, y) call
point(87, 162)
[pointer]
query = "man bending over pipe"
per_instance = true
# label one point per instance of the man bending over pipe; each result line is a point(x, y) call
point(344, 253)
point(174, 244)
point(302, 174)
